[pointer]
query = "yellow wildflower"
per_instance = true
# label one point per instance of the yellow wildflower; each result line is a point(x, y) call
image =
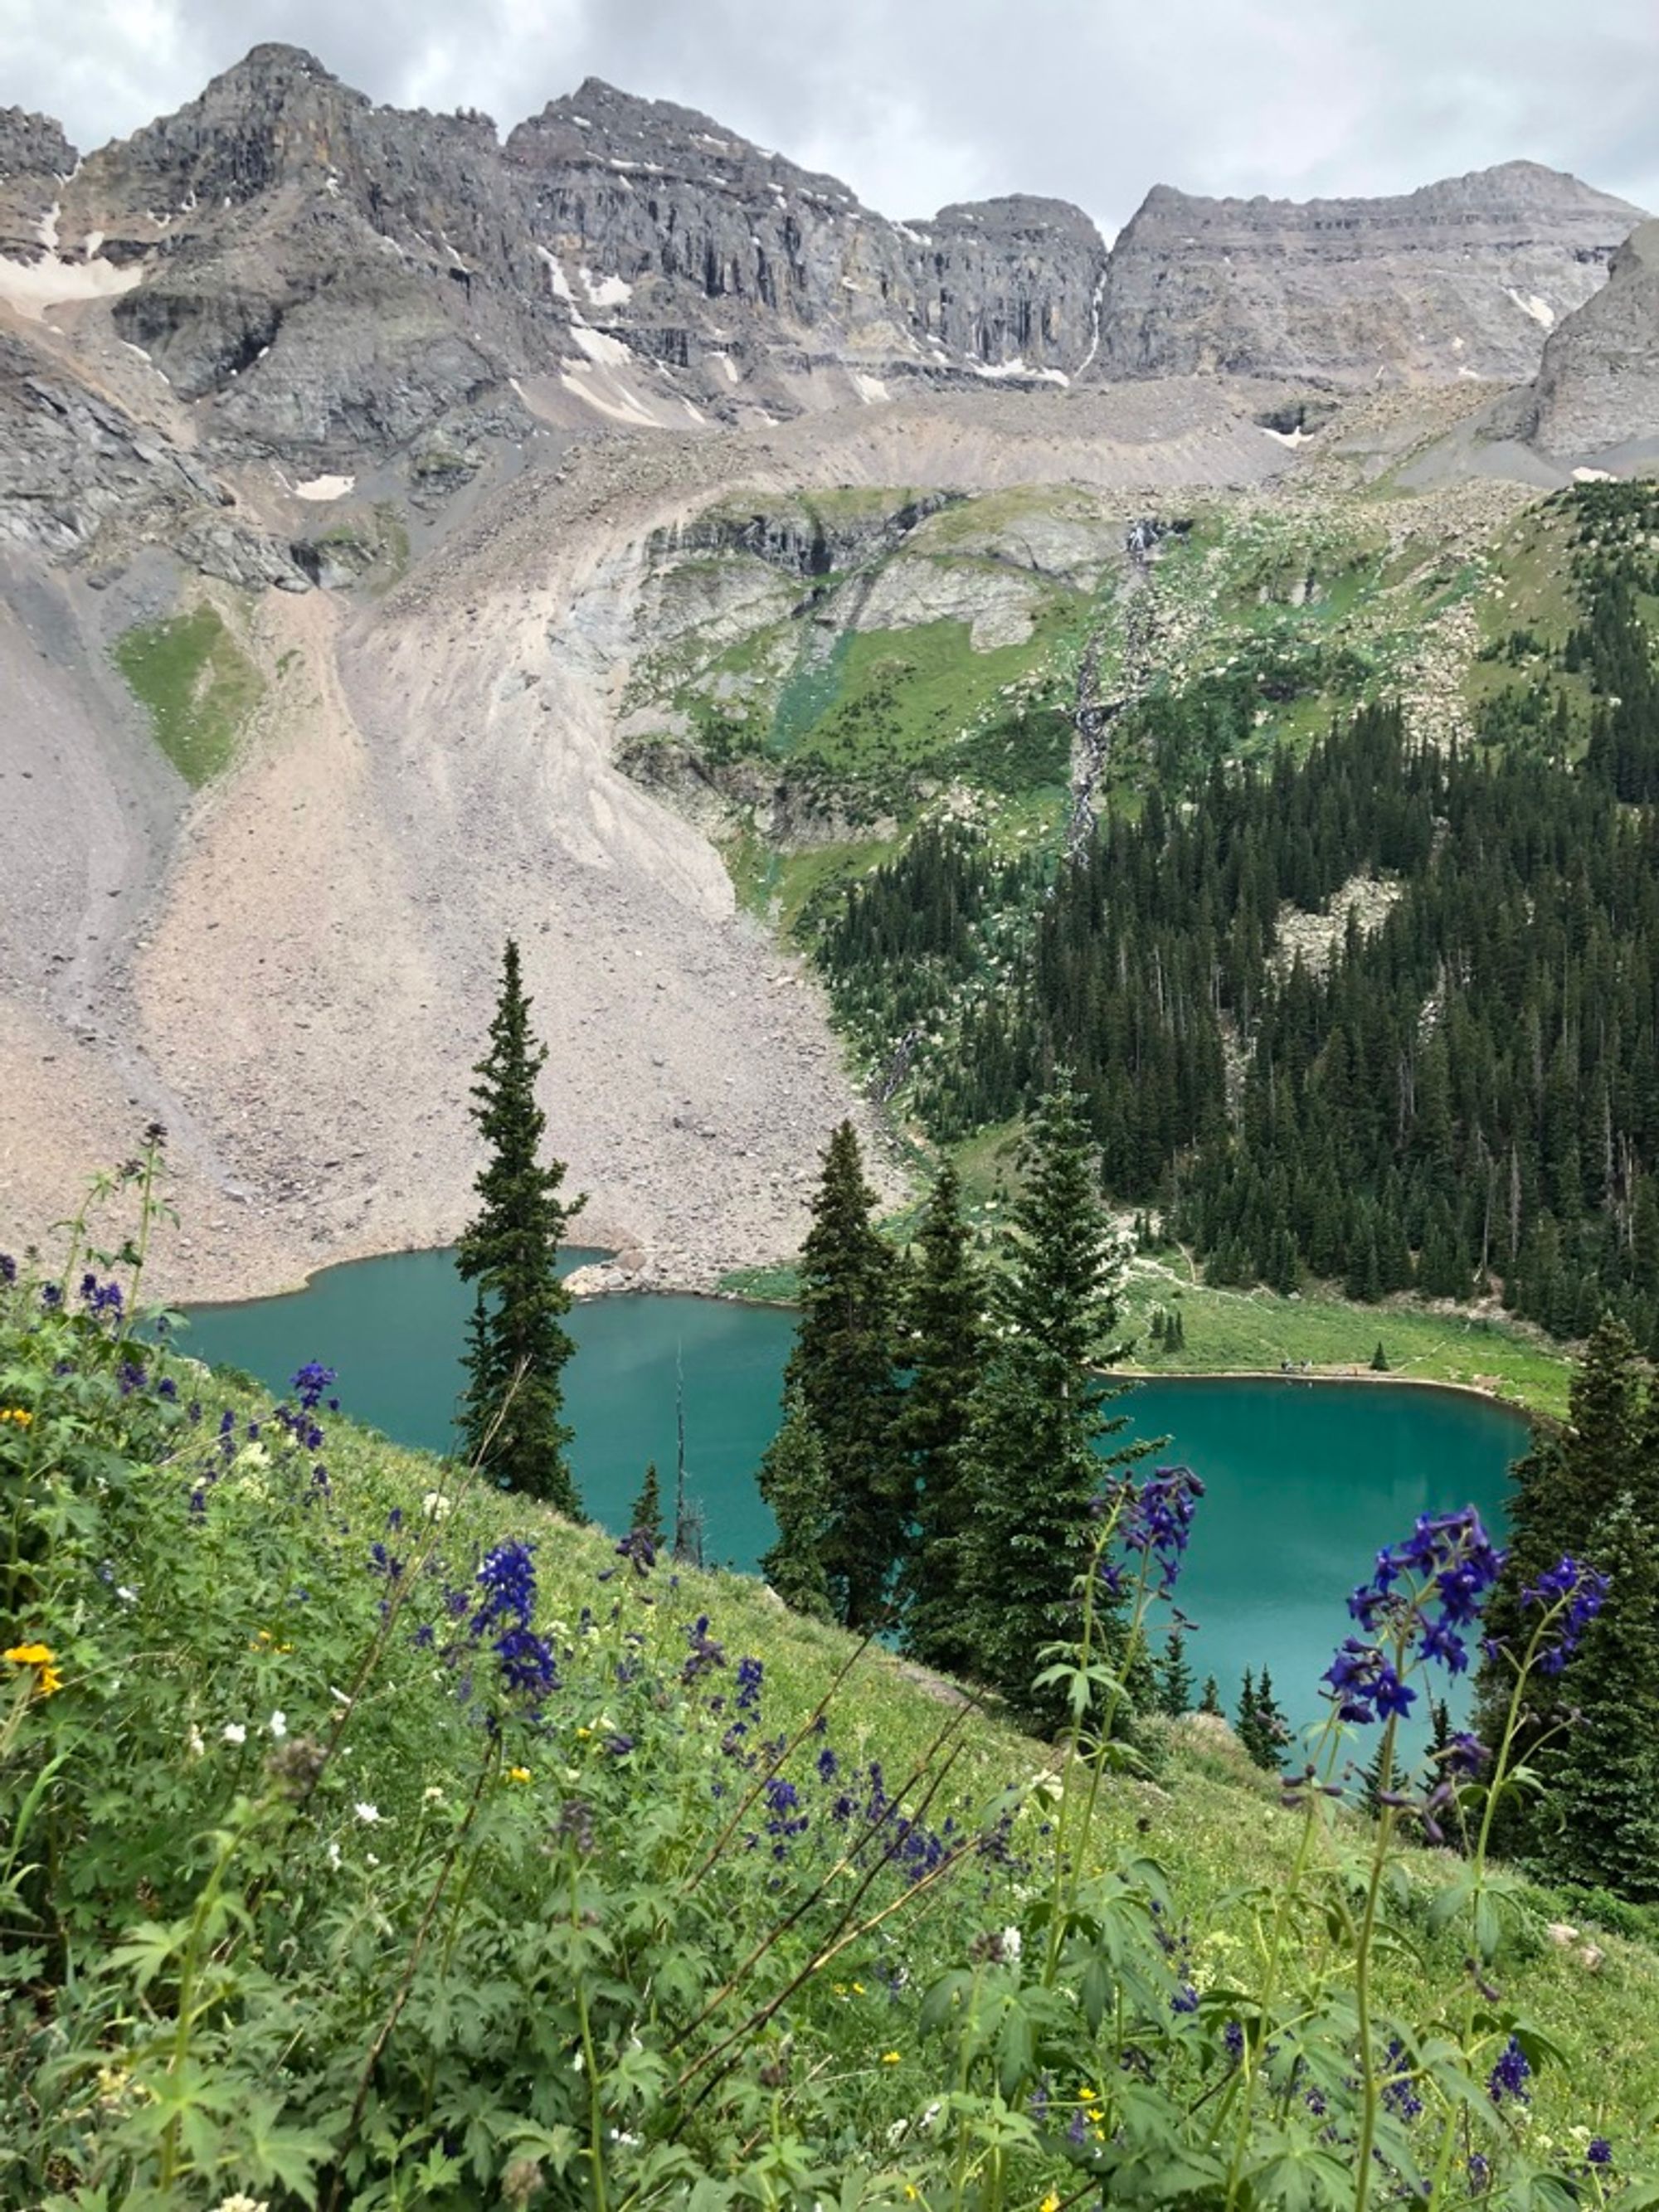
point(890, 2058)
point(21, 1415)
point(858, 1989)
point(1050, 2203)
point(37, 1655)
point(1089, 2096)
point(518, 1774)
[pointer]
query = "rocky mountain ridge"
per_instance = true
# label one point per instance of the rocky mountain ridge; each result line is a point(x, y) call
point(327, 282)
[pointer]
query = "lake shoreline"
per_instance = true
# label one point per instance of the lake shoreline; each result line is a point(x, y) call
point(607, 1281)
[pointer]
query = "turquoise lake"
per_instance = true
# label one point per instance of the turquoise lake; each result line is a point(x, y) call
point(1304, 1479)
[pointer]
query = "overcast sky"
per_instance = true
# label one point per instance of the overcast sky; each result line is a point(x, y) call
point(917, 102)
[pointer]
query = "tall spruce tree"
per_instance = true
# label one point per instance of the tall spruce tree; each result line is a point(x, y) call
point(1600, 1824)
point(1565, 1486)
point(510, 1418)
point(1038, 1411)
point(842, 1368)
point(942, 1347)
point(1566, 1490)
point(794, 1481)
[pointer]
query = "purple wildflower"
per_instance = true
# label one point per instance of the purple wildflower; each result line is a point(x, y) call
point(1575, 1594)
point(1510, 2075)
point(1159, 1520)
point(311, 1382)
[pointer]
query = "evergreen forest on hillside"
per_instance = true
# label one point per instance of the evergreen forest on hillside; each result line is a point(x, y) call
point(1458, 1095)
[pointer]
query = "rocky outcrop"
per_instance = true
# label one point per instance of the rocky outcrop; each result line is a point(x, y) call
point(70, 462)
point(1460, 278)
point(34, 159)
point(1598, 386)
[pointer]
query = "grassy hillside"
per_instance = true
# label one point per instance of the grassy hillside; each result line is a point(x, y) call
point(376, 1839)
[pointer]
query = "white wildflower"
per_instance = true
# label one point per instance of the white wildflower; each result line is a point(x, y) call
point(1010, 1945)
point(369, 1859)
point(436, 1506)
point(278, 1724)
point(193, 1743)
point(239, 2203)
point(432, 1795)
point(233, 1732)
point(127, 1596)
point(367, 1814)
point(334, 1854)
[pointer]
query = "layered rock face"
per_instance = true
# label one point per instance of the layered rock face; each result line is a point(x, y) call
point(1598, 386)
point(1459, 278)
point(697, 243)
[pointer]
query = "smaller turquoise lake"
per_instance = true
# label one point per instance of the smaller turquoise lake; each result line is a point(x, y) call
point(1304, 1480)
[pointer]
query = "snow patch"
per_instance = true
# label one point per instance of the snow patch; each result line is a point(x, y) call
point(728, 366)
point(622, 409)
point(556, 278)
point(33, 286)
point(1593, 476)
point(605, 291)
point(1297, 437)
point(609, 352)
point(325, 487)
point(870, 389)
point(1017, 367)
point(1530, 304)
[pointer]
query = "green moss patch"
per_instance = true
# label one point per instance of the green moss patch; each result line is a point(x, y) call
point(197, 685)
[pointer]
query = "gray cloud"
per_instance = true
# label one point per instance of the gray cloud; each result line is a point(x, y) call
point(916, 102)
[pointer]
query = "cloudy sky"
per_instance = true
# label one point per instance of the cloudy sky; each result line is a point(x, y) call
point(916, 102)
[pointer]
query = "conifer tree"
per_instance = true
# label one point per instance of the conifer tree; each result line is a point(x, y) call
point(1379, 1359)
point(1272, 1731)
point(1600, 1823)
point(842, 1366)
point(794, 1481)
point(1567, 1485)
point(646, 1511)
point(944, 1344)
point(1209, 1699)
point(1038, 1411)
point(510, 1418)
point(1245, 1727)
point(1175, 1677)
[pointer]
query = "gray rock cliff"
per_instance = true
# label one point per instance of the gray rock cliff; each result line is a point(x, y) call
point(1463, 278)
point(1598, 385)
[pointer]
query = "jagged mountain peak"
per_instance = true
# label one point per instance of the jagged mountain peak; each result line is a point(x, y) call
point(33, 145)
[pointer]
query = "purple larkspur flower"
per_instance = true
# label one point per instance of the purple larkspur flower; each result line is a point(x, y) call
point(1574, 1594)
point(310, 1383)
point(1509, 2078)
